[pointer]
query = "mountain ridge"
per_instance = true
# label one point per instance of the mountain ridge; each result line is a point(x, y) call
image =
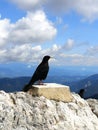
point(90, 83)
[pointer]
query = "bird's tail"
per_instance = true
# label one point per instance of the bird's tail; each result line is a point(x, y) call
point(27, 87)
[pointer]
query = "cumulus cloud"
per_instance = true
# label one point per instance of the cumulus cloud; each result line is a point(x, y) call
point(29, 5)
point(23, 53)
point(93, 50)
point(69, 44)
point(18, 40)
point(72, 59)
point(4, 31)
point(27, 53)
point(34, 28)
point(86, 8)
point(59, 6)
point(78, 59)
point(32, 54)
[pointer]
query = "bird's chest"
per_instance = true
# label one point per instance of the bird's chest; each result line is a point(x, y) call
point(45, 67)
point(44, 70)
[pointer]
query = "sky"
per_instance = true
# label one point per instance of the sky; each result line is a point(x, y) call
point(64, 29)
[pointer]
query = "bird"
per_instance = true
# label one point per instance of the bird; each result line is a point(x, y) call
point(81, 92)
point(39, 74)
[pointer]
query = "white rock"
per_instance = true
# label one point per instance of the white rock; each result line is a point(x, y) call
point(93, 103)
point(53, 91)
point(21, 111)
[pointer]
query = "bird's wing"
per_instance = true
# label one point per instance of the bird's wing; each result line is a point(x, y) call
point(40, 73)
point(36, 74)
point(41, 70)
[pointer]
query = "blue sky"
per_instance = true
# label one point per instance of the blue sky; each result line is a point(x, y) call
point(64, 29)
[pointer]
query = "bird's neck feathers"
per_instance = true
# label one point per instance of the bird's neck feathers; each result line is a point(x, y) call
point(44, 61)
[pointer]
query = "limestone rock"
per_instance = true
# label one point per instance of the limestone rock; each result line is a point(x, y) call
point(22, 111)
point(93, 103)
point(53, 91)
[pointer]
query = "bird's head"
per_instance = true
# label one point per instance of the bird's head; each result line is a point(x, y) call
point(46, 58)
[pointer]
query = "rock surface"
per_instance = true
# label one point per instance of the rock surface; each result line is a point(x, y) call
point(93, 103)
point(53, 91)
point(21, 111)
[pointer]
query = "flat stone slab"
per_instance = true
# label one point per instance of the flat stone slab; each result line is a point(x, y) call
point(53, 91)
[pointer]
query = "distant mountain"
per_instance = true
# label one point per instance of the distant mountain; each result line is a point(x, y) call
point(94, 96)
point(90, 84)
point(76, 83)
point(16, 84)
point(13, 84)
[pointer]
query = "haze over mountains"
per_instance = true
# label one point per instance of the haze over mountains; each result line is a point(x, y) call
point(90, 84)
point(13, 79)
point(18, 70)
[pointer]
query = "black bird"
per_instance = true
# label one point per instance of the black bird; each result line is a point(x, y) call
point(81, 92)
point(39, 74)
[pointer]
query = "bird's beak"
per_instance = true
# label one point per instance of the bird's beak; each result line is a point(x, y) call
point(52, 58)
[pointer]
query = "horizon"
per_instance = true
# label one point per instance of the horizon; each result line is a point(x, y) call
point(22, 70)
point(65, 30)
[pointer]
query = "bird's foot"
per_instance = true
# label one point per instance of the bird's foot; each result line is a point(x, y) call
point(40, 83)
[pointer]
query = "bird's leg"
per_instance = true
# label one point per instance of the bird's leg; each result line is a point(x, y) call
point(40, 82)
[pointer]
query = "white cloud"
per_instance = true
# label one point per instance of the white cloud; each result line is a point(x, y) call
point(86, 8)
point(72, 55)
point(3, 54)
point(56, 47)
point(27, 53)
point(37, 48)
point(33, 54)
point(29, 5)
point(69, 45)
point(59, 6)
point(78, 59)
point(92, 50)
point(4, 31)
point(16, 39)
point(34, 28)
point(23, 53)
